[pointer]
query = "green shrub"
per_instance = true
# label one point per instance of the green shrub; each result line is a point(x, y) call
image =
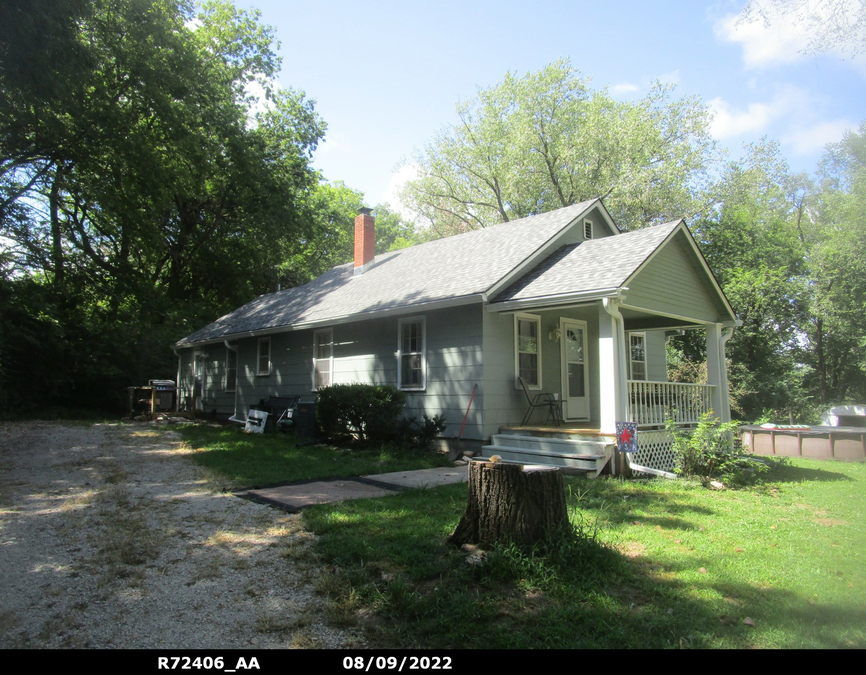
point(419, 434)
point(367, 411)
point(709, 451)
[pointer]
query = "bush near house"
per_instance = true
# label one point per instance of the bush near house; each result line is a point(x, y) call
point(708, 451)
point(367, 411)
point(373, 413)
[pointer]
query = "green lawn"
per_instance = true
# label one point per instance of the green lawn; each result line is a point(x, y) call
point(249, 460)
point(659, 564)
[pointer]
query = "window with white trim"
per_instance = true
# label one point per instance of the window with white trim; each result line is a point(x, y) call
point(231, 369)
point(637, 355)
point(527, 349)
point(263, 358)
point(411, 353)
point(323, 358)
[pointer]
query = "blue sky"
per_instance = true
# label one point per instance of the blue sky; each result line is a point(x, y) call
point(386, 75)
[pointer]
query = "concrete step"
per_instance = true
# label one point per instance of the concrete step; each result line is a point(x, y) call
point(555, 446)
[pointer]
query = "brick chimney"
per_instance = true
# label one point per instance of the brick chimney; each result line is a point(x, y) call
point(365, 241)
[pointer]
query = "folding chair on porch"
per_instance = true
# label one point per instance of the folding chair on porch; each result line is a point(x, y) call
point(541, 400)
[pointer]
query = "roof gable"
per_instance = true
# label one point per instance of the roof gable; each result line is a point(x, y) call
point(596, 266)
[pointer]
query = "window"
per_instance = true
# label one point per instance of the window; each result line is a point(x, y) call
point(323, 358)
point(231, 369)
point(637, 355)
point(411, 349)
point(264, 357)
point(527, 348)
point(587, 229)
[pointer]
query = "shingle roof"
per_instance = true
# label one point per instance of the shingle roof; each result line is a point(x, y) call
point(589, 266)
point(446, 269)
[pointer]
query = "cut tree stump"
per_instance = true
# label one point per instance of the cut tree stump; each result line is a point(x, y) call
point(511, 503)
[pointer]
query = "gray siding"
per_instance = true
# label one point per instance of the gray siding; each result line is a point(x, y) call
point(671, 284)
point(364, 352)
point(505, 402)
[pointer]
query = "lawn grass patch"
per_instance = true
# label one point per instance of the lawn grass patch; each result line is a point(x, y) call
point(252, 460)
point(655, 564)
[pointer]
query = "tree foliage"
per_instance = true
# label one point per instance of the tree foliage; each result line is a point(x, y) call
point(546, 140)
point(149, 190)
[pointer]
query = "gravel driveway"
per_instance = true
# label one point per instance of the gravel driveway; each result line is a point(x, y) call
point(110, 537)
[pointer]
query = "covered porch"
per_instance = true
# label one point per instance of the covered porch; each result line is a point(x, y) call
point(603, 362)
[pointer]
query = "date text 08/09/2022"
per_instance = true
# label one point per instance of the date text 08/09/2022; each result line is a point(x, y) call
point(361, 663)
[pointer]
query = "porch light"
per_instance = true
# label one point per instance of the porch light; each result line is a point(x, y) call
point(555, 334)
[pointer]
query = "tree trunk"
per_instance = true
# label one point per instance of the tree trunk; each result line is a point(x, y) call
point(511, 503)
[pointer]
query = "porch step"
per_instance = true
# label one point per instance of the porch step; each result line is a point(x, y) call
point(550, 445)
point(559, 433)
point(569, 454)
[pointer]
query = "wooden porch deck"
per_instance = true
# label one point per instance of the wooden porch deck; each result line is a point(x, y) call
point(565, 429)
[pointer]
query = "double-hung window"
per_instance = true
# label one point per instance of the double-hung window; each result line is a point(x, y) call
point(637, 355)
point(411, 351)
point(323, 358)
point(527, 349)
point(264, 357)
point(231, 369)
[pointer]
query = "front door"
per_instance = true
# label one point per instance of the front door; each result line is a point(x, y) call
point(575, 390)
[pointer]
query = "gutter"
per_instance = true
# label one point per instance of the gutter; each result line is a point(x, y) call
point(341, 319)
point(556, 300)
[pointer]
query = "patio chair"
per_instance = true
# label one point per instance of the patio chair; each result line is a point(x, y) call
point(541, 400)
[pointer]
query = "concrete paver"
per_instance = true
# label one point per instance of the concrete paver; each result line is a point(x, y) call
point(296, 496)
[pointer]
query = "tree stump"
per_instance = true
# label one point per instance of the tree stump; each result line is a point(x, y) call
point(511, 503)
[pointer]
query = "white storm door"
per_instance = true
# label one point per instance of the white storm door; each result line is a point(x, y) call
point(575, 383)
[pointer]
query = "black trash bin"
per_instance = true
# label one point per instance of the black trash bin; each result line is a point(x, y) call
point(305, 420)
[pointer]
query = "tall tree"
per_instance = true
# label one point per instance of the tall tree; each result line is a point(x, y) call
point(836, 247)
point(546, 140)
point(147, 194)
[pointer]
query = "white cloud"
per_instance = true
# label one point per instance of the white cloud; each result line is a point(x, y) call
point(776, 42)
point(808, 139)
point(671, 77)
point(398, 180)
point(623, 88)
point(793, 111)
point(780, 33)
point(729, 121)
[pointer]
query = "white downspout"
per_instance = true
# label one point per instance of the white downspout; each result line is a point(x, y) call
point(177, 383)
point(234, 417)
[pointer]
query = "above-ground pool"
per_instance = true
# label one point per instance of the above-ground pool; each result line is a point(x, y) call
point(847, 443)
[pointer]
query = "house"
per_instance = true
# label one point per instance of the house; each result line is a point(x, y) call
point(563, 299)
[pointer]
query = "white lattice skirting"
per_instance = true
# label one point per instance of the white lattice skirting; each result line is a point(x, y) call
point(655, 451)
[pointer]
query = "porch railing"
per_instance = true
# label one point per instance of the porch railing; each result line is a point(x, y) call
point(651, 403)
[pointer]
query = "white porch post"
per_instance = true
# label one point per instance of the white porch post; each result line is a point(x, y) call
point(715, 364)
point(725, 410)
point(611, 377)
